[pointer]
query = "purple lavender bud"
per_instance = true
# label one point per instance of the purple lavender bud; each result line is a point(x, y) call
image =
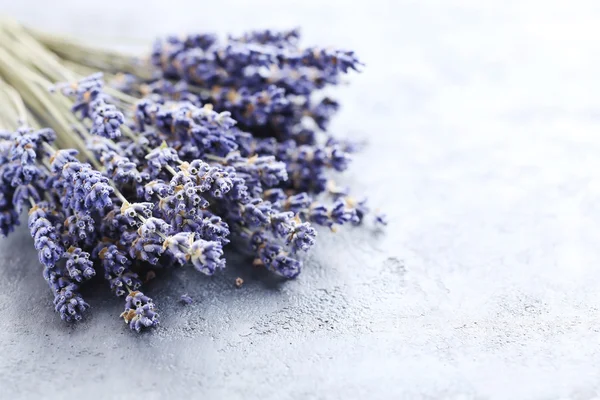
point(281, 223)
point(116, 222)
point(302, 236)
point(9, 219)
point(274, 257)
point(340, 213)
point(271, 172)
point(197, 168)
point(220, 182)
point(112, 259)
point(45, 238)
point(338, 159)
point(127, 239)
point(23, 154)
point(206, 256)
point(22, 194)
point(139, 311)
point(323, 112)
point(117, 269)
point(62, 157)
point(239, 190)
point(381, 219)
point(106, 119)
point(216, 121)
point(79, 227)
point(68, 302)
point(119, 283)
point(297, 202)
point(144, 114)
point(85, 91)
point(5, 135)
point(250, 108)
point(23, 149)
point(213, 228)
point(156, 188)
point(275, 196)
point(285, 266)
point(85, 189)
point(269, 146)
point(280, 39)
point(256, 213)
point(266, 169)
point(214, 180)
point(79, 265)
point(202, 41)
point(148, 246)
point(132, 210)
point(186, 299)
point(22, 174)
point(160, 158)
point(6, 194)
point(178, 246)
point(218, 144)
point(328, 60)
point(119, 168)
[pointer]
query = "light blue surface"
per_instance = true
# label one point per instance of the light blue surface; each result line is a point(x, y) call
point(484, 131)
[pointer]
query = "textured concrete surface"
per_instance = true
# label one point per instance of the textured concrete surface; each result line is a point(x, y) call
point(484, 134)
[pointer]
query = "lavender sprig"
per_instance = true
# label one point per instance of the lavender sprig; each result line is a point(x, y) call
point(223, 138)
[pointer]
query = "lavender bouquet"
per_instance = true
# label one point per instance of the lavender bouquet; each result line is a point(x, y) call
point(128, 163)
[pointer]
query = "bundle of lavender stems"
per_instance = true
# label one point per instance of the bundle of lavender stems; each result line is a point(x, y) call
point(126, 164)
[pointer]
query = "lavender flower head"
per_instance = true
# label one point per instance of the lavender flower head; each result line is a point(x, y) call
point(68, 302)
point(220, 139)
point(139, 311)
point(206, 256)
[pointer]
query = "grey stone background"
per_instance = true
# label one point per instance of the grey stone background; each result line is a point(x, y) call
point(484, 134)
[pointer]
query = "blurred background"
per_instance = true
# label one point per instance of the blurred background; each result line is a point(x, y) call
point(483, 127)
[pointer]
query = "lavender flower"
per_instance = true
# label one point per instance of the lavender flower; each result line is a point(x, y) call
point(80, 228)
point(22, 194)
point(179, 246)
point(139, 311)
point(265, 169)
point(67, 301)
point(186, 299)
point(301, 236)
point(24, 153)
point(148, 245)
point(287, 38)
point(338, 213)
point(117, 268)
point(86, 91)
point(119, 168)
point(297, 202)
point(84, 189)
point(213, 228)
point(251, 108)
point(62, 157)
point(206, 256)
point(45, 237)
point(9, 219)
point(274, 257)
point(106, 119)
point(239, 145)
point(160, 158)
point(79, 265)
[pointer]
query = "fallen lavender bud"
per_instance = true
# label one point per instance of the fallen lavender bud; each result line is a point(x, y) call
point(186, 299)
